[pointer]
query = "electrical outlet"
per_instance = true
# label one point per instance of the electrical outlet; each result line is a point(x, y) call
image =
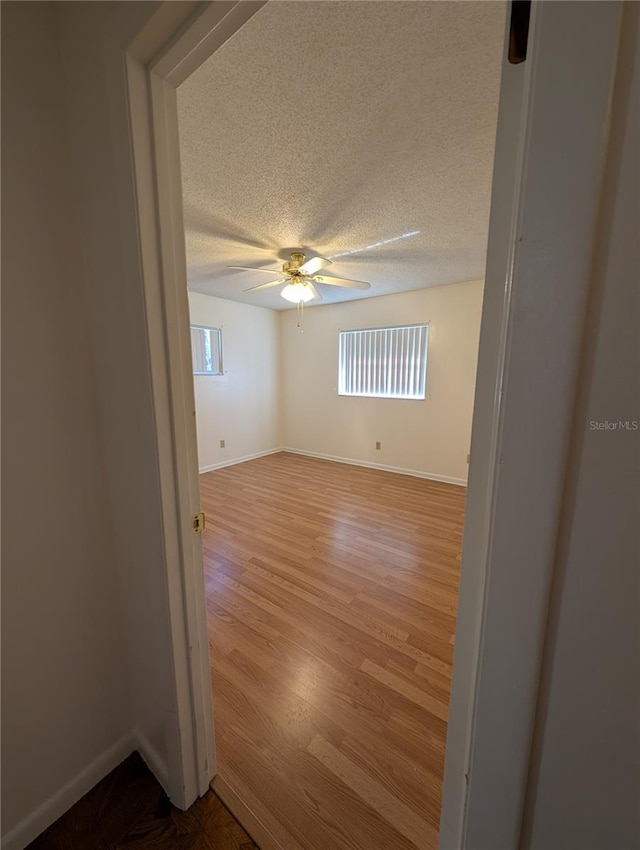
point(222, 444)
point(378, 445)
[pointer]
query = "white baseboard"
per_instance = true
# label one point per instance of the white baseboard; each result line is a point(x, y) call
point(416, 473)
point(232, 462)
point(24, 832)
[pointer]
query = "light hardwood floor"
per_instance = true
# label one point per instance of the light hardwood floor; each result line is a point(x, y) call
point(332, 594)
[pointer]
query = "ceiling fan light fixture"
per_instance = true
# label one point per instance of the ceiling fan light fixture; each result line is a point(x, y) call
point(301, 277)
point(297, 292)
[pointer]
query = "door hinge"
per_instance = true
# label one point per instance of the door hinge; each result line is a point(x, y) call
point(519, 30)
point(197, 523)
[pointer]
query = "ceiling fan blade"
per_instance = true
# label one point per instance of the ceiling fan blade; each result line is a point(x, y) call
point(265, 285)
point(316, 294)
point(341, 281)
point(314, 265)
point(249, 269)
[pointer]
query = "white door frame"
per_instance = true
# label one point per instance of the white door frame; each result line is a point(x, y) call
point(156, 164)
point(551, 142)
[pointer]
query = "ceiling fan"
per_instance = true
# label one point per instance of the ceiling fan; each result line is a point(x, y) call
point(299, 277)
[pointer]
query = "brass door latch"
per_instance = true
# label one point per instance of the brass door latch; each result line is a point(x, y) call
point(197, 523)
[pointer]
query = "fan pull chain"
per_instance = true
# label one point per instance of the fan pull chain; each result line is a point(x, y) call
point(300, 316)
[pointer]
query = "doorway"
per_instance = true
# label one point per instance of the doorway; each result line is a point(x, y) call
point(494, 372)
point(332, 605)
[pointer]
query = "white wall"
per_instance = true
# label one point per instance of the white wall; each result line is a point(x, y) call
point(86, 666)
point(430, 436)
point(65, 694)
point(93, 39)
point(585, 784)
point(241, 407)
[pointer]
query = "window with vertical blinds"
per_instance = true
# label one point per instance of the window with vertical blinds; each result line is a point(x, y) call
point(206, 350)
point(384, 362)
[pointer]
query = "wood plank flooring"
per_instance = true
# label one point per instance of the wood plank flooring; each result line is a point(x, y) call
point(128, 810)
point(332, 595)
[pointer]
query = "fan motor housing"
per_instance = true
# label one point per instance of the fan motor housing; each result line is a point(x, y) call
point(292, 266)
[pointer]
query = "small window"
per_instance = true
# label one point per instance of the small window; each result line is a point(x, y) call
point(384, 362)
point(206, 350)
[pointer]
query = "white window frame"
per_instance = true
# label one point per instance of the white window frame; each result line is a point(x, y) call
point(361, 344)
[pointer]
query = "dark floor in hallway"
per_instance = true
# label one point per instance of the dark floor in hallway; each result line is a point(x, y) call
point(128, 810)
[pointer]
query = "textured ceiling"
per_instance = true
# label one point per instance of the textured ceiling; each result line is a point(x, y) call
point(333, 127)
